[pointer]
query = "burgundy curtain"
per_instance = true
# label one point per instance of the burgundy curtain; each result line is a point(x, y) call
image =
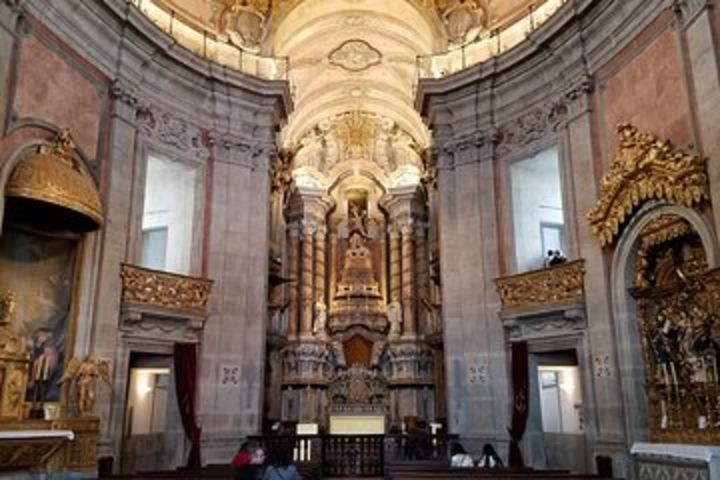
point(520, 401)
point(186, 387)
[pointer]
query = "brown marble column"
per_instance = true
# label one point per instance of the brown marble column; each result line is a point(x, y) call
point(294, 273)
point(395, 270)
point(306, 284)
point(333, 266)
point(320, 236)
point(408, 281)
point(422, 276)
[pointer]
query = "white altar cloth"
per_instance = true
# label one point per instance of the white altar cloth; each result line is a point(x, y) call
point(34, 434)
point(707, 454)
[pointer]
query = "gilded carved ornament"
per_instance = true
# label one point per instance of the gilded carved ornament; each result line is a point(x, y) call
point(645, 168)
point(165, 290)
point(84, 375)
point(541, 287)
point(51, 175)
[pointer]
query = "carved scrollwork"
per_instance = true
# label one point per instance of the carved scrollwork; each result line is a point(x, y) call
point(645, 168)
point(563, 283)
point(165, 290)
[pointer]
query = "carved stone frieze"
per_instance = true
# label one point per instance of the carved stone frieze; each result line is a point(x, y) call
point(174, 131)
point(529, 128)
point(645, 168)
point(410, 363)
point(668, 468)
point(357, 386)
point(548, 286)
point(164, 289)
point(306, 363)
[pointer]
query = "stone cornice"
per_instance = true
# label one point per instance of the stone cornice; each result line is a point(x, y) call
point(116, 38)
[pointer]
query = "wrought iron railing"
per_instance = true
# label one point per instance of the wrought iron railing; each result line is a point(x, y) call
point(358, 455)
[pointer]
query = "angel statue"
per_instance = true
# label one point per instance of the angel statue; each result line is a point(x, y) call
point(85, 374)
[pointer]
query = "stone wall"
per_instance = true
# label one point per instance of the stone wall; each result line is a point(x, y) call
point(124, 89)
point(592, 66)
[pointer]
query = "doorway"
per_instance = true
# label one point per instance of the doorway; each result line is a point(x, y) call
point(151, 416)
point(557, 412)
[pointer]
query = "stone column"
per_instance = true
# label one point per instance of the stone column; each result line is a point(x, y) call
point(395, 279)
point(422, 276)
point(408, 281)
point(294, 271)
point(333, 266)
point(320, 236)
point(306, 281)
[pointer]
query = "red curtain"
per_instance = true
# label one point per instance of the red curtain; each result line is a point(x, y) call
point(185, 360)
point(520, 401)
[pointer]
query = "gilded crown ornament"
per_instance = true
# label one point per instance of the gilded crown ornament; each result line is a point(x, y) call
point(645, 168)
point(52, 177)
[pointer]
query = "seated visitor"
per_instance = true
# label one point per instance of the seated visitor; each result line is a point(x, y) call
point(248, 462)
point(556, 258)
point(459, 457)
point(489, 458)
point(281, 467)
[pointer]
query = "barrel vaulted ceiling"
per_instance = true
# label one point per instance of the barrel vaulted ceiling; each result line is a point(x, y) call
point(352, 64)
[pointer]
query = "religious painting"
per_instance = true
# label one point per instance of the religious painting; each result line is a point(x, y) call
point(38, 270)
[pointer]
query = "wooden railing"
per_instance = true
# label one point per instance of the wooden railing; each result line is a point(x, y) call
point(358, 455)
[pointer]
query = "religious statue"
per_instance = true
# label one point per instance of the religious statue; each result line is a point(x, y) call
point(7, 307)
point(463, 20)
point(320, 317)
point(85, 374)
point(356, 220)
point(394, 311)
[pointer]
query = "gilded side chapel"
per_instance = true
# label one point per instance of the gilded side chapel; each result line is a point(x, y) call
point(365, 236)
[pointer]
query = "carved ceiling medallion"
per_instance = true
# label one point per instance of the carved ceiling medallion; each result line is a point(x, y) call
point(355, 56)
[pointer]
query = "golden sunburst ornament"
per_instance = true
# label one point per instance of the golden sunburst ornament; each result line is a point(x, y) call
point(356, 132)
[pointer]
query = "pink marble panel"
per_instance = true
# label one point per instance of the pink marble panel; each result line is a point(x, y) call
point(650, 92)
point(50, 88)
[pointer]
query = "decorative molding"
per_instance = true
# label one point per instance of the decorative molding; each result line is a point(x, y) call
point(531, 127)
point(602, 366)
point(142, 286)
point(174, 131)
point(549, 286)
point(645, 168)
point(477, 372)
point(355, 55)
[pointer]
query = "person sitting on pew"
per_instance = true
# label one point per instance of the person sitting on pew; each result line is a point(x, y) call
point(459, 457)
point(248, 461)
point(489, 458)
point(281, 467)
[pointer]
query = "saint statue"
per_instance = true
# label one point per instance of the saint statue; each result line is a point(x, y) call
point(85, 374)
point(356, 220)
point(394, 312)
point(320, 317)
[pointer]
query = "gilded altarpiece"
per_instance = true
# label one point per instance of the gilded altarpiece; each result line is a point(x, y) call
point(677, 304)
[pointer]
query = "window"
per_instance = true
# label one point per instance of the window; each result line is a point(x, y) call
point(537, 209)
point(168, 214)
point(154, 248)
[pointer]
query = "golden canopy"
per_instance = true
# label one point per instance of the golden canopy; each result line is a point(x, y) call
point(49, 190)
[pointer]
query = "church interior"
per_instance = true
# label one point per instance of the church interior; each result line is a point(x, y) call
point(362, 232)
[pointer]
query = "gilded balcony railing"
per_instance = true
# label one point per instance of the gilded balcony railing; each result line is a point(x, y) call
point(143, 286)
point(206, 46)
point(549, 286)
point(490, 44)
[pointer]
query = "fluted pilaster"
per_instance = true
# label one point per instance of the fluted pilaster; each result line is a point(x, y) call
point(294, 272)
point(307, 281)
point(408, 280)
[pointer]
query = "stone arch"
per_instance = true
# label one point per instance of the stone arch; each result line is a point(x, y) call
point(627, 340)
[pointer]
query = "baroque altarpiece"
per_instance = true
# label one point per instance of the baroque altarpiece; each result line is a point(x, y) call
point(355, 297)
